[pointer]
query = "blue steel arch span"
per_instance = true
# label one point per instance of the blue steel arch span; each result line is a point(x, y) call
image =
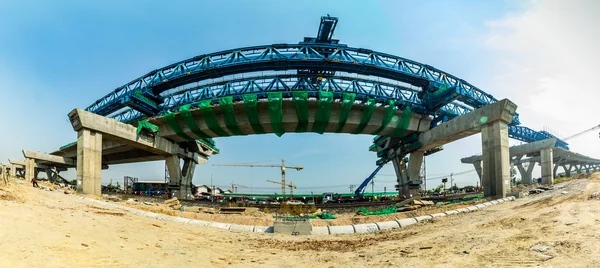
point(313, 65)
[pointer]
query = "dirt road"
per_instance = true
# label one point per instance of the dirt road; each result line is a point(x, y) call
point(559, 228)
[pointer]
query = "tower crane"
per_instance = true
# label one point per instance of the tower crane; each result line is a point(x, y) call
point(581, 133)
point(234, 187)
point(282, 166)
point(292, 186)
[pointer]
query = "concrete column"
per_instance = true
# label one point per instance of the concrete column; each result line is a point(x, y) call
point(29, 169)
point(546, 161)
point(89, 162)
point(567, 170)
point(181, 178)
point(477, 166)
point(555, 170)
point(495, 159)
point(401, 176)
point(415, 161)
point(587, 168)
point(578, 168)
point(4, 175)
point(13, 171)
point(526, 173)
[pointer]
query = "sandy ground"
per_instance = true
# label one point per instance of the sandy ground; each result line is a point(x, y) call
point(50, 229)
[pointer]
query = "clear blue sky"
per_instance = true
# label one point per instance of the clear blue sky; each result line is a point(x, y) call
point(60, 55)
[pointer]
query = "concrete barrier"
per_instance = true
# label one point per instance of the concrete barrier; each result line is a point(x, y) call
point(263, 229)
point(198, 222)
point(320, 230)
point(344, 229)
point(365, 228)
point(435, 215)
point(451, 212)
point(406, 222)
point(499, 200)
point(151, 215)
point(180, 219)
point(224, 226)
point(388, 225)
point(472, 208)
point(480, 206)
point(463, 210)
point(241, 228)
point(494, 202)
point(511, 197)
point(423, 218)
point(487, 204)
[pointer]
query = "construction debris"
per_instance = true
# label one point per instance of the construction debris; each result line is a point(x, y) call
point(173, 203)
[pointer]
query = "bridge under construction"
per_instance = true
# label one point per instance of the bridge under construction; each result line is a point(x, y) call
point(318, 85)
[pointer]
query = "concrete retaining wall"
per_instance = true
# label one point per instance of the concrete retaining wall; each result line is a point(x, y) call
point(317, 230)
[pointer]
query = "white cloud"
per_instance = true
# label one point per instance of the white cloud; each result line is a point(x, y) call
point(547, 61)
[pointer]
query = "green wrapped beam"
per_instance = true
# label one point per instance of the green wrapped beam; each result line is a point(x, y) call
point(347, 102)
point(72, 143)
point(184, 112)
point(366, 115)
point(390, 111)
point(403, 123)
point(301, 104)
point(250, 104)
point(172, 122)
point(147, 126)
point(210, 118)
point(226, 104)
point(323, 112)
point(276, 112)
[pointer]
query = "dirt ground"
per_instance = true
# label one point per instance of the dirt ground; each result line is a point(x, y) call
point(559, 228)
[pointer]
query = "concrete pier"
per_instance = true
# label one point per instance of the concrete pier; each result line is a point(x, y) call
point(546, 162)
point(495, 159)
point(492, 121)
point(126, 145)
point(89, 162)
point(526, 173)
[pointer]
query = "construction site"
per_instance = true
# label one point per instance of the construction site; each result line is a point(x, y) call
point(168, 170)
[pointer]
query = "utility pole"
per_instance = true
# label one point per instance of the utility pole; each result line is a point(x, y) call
point(352, 187)
point(451, 180)
point(212, 189)
point(373, 186)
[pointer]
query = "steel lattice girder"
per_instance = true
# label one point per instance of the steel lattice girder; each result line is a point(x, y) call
point(297, 57)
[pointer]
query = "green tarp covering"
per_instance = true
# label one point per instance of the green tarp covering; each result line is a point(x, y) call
point(172, 122)
point(390, 111)
point(229, 115)
point(276, 112)
point(366, 115)
point(250, 103)
point(301, 104)
point(347, 102)
point(188, 118)
point(403, 123)
point(323, 112)
point(390, 210)
point(211, 119)
point(142, 125)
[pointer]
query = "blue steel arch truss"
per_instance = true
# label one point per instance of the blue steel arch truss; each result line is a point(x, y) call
point(426, 89)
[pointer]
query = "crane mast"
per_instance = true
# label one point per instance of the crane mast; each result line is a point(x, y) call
point(282, 166)
point(291, 185)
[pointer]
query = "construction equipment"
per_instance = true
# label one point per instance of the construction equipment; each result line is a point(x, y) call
point(581, 133)
point(282, 166)
point(292, 186)
point(234, 187)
